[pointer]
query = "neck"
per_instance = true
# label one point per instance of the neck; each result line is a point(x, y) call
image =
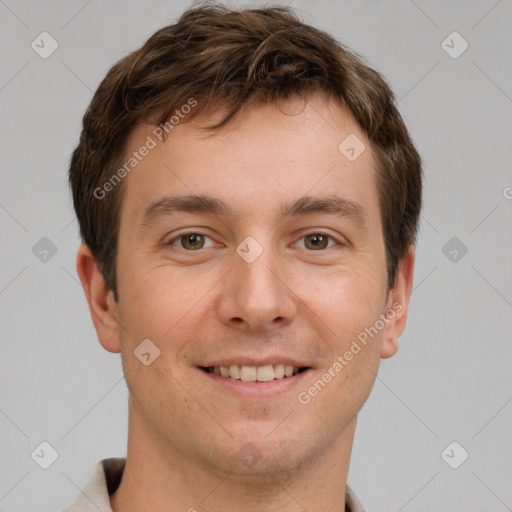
point(159, 479)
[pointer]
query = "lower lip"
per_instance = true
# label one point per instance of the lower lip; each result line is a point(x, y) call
point(255, 389)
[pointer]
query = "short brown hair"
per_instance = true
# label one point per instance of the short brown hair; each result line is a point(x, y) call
point(240, 58)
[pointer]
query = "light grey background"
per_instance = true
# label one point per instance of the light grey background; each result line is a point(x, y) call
point(451, 379)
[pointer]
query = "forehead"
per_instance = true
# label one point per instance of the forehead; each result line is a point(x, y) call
point(268, 154)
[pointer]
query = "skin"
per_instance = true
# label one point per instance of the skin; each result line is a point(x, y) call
point(197, 305)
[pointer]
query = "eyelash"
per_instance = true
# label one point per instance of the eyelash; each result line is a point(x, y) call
point(321, 233)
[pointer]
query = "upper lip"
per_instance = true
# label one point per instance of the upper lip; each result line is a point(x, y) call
point(252, 361)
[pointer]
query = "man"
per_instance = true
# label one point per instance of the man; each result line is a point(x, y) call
point(248, 199)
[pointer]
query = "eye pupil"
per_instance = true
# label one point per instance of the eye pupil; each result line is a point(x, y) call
point(318, 241)
point(193, 241)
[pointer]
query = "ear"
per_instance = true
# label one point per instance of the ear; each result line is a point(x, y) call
point(398, 305)
point(101, 302)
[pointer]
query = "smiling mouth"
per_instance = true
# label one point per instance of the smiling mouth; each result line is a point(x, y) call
point(264, 373)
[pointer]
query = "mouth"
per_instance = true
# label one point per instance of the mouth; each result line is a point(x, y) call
point(265, 373)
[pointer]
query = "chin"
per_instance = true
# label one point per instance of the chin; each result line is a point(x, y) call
point(270, 461)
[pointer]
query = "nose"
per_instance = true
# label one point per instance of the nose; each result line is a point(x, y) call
point(256, 296)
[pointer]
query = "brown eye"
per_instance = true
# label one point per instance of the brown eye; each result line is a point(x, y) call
point(316, 241)
point(192, 241)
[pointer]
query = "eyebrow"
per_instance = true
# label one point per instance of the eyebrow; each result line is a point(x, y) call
point(305, 205)
point(331, 204)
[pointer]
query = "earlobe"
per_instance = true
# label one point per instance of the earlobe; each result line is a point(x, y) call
point(398, 305)
point(100, 299)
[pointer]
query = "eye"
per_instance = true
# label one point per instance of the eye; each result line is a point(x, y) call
point(190, 241)
point(318, 241)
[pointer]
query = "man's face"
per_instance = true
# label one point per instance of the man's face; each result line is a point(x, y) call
point(288, 273)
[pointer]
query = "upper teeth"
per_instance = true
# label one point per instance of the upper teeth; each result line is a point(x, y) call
point(255, 373)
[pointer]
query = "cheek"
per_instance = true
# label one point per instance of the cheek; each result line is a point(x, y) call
point(158, 299)
point(347, 301)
